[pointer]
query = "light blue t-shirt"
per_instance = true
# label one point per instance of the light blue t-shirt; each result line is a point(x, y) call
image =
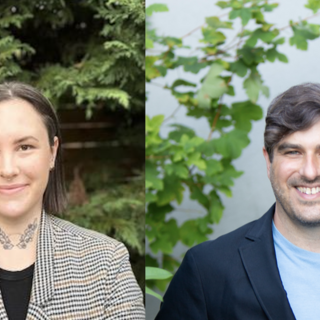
point(300, 274)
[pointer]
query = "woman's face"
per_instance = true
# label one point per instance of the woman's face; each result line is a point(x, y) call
point(26, 158)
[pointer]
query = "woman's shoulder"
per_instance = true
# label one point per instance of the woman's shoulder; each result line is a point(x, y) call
point(68, 232)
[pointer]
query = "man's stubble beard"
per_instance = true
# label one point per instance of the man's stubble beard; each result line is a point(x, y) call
point(294, 214)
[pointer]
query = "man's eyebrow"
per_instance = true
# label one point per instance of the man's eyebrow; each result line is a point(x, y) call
point(23, 139)
point(286, 145)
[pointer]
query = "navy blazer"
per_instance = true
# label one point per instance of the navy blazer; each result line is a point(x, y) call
point(233, 277)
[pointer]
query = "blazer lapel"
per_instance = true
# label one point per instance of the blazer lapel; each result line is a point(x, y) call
point(43, 280)
point(3, 313)
point(259, 260)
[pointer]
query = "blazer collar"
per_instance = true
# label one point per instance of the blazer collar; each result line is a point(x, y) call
point(43, 278)
point(43, 281)
point(260, 263)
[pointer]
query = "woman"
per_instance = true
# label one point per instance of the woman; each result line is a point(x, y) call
point(50, 268)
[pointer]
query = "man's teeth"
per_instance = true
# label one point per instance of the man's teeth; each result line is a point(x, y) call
point(309, 190)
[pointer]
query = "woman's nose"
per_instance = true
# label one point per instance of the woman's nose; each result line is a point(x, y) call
point(8, 167)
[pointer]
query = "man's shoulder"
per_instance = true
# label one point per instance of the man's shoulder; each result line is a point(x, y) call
point(229, 244)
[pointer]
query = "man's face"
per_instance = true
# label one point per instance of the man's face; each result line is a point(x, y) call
point(295, 176)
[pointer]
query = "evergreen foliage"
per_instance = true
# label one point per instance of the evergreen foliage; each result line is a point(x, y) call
point(88, 53)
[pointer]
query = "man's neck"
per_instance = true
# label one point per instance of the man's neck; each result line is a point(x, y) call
point(304, 237)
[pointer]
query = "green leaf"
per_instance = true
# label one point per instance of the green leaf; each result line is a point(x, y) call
point(223, 4)
point(191, 234)
point(149, 43)
point(198, 195)
point(172, 190)
point(158, 213)
point(253, 85)
point(213, 86)
point(153, 124)
point(190, 64)
point(178, 169)
point(167, 237)
point(195, 68)
point(244, 112)
point(225, 190)
point(150, 197)
point(239, 67)
point(181, 82)
point(271, 54)
point(156, 7)
point(195, 159)
point(230, 144)
point(207, 148)
point(283, 58)
point(213, 166)
point(157, 274)
point(313, 5)
point(302, 33)
point(216, 208)
point(251, 55)
point(152, 180)
point(180, 131)
point(212, 36)
point(152, 293)
point(265, 36)
point(151, 71)
point(270, 7)
point(279, 41)
point(215, 22)
point(243, 13)
point(190, 144)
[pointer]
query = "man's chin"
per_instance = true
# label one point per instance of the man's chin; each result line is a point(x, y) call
point(306, 219)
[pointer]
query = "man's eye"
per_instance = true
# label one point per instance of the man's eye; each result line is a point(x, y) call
point(292, 152)
point(26, 147)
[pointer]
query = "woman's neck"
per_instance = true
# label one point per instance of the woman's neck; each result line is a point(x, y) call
point(18, 242)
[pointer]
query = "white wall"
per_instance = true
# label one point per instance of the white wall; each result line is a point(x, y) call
point(252, 193)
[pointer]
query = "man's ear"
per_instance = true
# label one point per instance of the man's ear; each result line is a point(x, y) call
point(268, 163)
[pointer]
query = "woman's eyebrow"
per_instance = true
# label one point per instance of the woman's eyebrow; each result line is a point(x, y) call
point(23, 139)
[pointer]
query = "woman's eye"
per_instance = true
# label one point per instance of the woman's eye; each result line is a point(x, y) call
point(26, 147)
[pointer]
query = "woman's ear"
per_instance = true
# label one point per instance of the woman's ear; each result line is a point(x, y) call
point(54, 150)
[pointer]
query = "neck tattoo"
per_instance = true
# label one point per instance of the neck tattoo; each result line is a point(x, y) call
point(25, 237)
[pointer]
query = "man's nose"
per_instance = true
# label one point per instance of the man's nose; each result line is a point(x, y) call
point(8, 167)
point(311, 167)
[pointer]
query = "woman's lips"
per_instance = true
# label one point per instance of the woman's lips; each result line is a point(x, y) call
point(12, 189)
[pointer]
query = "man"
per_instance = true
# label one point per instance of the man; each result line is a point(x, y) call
point(269, 268)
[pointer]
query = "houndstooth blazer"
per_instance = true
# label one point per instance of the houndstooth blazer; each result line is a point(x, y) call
point(81, 275)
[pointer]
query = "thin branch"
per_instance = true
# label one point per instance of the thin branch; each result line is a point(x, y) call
point(199, 27)
point(295, 23)
point(174, 112)
point(192, 31)
point(158, 85)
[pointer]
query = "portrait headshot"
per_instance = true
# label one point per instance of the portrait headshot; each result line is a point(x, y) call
point(232, 160)
point(71, 160)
